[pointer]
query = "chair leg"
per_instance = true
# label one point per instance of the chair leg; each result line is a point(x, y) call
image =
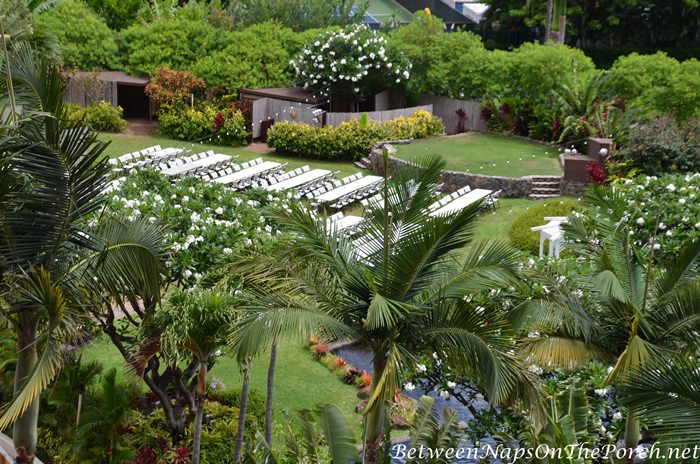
point(541, 244)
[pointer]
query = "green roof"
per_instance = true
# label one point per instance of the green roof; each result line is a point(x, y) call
point(381, 10)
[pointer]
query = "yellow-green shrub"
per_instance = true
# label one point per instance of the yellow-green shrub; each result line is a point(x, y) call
point(522, 237)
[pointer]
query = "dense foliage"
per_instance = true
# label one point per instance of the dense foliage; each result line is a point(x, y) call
point(101, 117)
point(86, 43)
point(660, 145)
point(222, 125)
point(168, 87)
point(299, 15)
point(351, 139)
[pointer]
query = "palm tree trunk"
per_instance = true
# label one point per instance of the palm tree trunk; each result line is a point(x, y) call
point(242, 412)
point(270, 392)
point(548, 25)
point(374, 425)
point(199, 413)
point(631, 434)
point(24, 433)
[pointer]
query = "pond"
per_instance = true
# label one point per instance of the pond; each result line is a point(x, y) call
point(361, 358)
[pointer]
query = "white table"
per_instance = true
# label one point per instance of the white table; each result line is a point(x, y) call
point(462, 202)
point(552, 232)
point(347, 189)
point(200, 163)
point(298, 181)
point(247, 172)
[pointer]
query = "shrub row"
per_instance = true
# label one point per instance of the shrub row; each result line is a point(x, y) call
point(101, 117)
point(351, 139)
point(204, 123)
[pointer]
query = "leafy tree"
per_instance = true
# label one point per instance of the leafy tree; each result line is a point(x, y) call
point(53, 265)
point(175, 43)
point(117, 14)
point(257, 56)
point(168, 87)
point(85, 44)
point(189, 329)
point(633, 75)
point(299, 15)
point(680, 96)
point(18, 25)
point(628, 311)
point(404, 297)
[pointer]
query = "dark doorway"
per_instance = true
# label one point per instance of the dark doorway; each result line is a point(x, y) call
point(133, 100)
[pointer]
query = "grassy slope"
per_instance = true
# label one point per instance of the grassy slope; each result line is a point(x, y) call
point(489, 154)
point(121, 144)
point(300, 381)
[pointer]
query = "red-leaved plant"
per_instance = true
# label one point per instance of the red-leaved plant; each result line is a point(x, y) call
point(596, 172)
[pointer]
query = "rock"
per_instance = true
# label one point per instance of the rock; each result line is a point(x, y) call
point(361, 406)
point(399, 422)
point(363, 394)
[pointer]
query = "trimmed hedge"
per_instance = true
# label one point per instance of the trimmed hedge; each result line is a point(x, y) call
point(522, 238)
point(204, 123)
point(351, 139)
point(102, 117)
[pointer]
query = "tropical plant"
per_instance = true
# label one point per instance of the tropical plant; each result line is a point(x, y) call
point(627, 311)
point(403, 296)
point(190, 329)
point(54, 266)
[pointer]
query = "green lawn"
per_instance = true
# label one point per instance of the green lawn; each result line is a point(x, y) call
point(497, 225)
point(491, 154)
point(122, 144)
point(300, 381)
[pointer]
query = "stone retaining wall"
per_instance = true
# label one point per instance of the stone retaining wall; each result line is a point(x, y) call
point(511, 187)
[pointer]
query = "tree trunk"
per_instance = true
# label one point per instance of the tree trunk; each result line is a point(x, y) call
point(270, 393)
point(562, 29)
point(631, 434)
point(24, 429)
point(374, 421)
point(242, 412)
point(199, 413)
point(548, 25)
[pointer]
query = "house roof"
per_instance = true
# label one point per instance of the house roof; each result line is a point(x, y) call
point(443, 11)
point(114, 76)
point(294, 94)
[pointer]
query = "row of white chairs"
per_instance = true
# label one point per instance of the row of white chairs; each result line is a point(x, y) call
point(358, 195)
point(348, 225)
point(157, 158)
point(134, 156)
point(230, 169)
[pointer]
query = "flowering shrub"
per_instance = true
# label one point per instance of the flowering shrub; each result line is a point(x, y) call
point(596, 172)
point(356, 57)
point(351, 139)
point(224, 126)
point(205, 221)
point(672, 200)
point(168, 87)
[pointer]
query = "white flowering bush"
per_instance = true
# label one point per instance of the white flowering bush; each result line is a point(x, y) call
point(666, 208)
point(204, 221)
point(356, 57)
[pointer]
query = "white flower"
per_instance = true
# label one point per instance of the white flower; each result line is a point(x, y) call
point(444, 394)
point(227, 251)
point(421, 368)
point(617, 416)
point(188, 273)
point(479, 397)
point(451, 385)
point(408, 386)
point(610, 369)
point(671, 188)
point(640, 221)
point(657, 246)
point(217, 353)
point(662, 226)
point(601, 391)
point(681, 201)
point(219, 210)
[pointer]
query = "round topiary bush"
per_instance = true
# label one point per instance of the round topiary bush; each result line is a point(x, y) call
point(520, 234)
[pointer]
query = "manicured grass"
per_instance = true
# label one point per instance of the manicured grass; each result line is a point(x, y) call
point(301, 382)
point(121, 144)
point(490, 154)
point(496, 225)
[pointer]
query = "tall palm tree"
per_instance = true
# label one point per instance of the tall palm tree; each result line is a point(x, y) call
point(628, 311)
point(52, 265)
point(401, 297)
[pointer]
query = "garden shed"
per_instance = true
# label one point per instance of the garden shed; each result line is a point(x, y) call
point(86, 88)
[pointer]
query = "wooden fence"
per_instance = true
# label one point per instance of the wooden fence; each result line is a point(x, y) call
point(86, 91)
point(446, 109)
point(280, 110)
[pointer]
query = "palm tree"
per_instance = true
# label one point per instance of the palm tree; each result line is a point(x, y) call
point(402, 296)
point(629, 311)
point(52, 264)
point(194, 325)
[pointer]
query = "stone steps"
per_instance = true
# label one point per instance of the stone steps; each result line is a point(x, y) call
point(364, 163)
point(545, 187)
